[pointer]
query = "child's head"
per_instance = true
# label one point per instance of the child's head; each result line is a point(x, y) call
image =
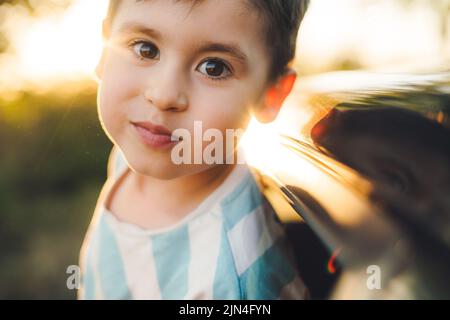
point(280, 21)
point(173, 62)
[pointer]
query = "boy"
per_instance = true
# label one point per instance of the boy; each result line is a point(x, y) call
point(169, 230)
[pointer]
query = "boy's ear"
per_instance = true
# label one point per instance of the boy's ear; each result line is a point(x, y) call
point(275, 96)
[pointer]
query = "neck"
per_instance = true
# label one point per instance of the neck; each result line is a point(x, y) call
point(181, 195)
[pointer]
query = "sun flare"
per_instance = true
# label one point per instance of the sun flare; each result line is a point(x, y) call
point(55, 46)
point(62, 46)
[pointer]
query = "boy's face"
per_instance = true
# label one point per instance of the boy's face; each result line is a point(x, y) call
point(171, 63)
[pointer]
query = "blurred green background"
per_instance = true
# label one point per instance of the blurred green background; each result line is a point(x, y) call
point(52, 166)
point(53, 151)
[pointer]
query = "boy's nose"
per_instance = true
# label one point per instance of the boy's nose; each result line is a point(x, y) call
point(166, 92)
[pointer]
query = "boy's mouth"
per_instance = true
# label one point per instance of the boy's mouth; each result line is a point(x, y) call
point(155, 136)
point(153, 128)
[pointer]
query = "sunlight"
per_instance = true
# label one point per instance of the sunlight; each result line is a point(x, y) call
point(382, 35)
point(263, 151)
point(261, 142)
point(67, 46)
point(55, 46)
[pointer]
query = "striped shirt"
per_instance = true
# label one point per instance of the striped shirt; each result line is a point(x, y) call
point(232, 246)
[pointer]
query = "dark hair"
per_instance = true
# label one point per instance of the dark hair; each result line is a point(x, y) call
point(282, 20)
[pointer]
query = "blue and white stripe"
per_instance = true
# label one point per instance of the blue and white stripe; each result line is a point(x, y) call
point(233, 248)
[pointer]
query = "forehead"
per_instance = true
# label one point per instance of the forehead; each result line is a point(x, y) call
point(190, 22)
point(214, 8)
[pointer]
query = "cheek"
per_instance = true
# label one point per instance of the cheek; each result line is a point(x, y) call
point(111, 112)
point(115, 92)
point(120, 79)
point(225, 108)
point(224, 115)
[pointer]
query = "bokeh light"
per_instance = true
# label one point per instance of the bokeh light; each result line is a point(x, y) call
point(52, 46)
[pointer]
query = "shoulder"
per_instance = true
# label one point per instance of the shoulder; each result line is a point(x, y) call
point(262, 256)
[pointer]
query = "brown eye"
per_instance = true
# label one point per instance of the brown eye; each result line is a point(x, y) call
point(146, 50)
point(214, 68)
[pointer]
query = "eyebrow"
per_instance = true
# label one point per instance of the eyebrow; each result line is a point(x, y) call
point(230, 49)
point(139, 28)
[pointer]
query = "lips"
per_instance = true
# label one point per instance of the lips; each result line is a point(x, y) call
point(155, 129)
point(153, 135)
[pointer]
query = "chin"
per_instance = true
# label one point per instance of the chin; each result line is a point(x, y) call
point(159, 165)
point(155, 169)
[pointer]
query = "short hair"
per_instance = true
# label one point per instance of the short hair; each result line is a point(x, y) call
point(282, 19)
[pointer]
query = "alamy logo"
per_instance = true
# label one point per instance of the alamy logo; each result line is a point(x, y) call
point(74, 280)
point(213, 153)
point(374, 279)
